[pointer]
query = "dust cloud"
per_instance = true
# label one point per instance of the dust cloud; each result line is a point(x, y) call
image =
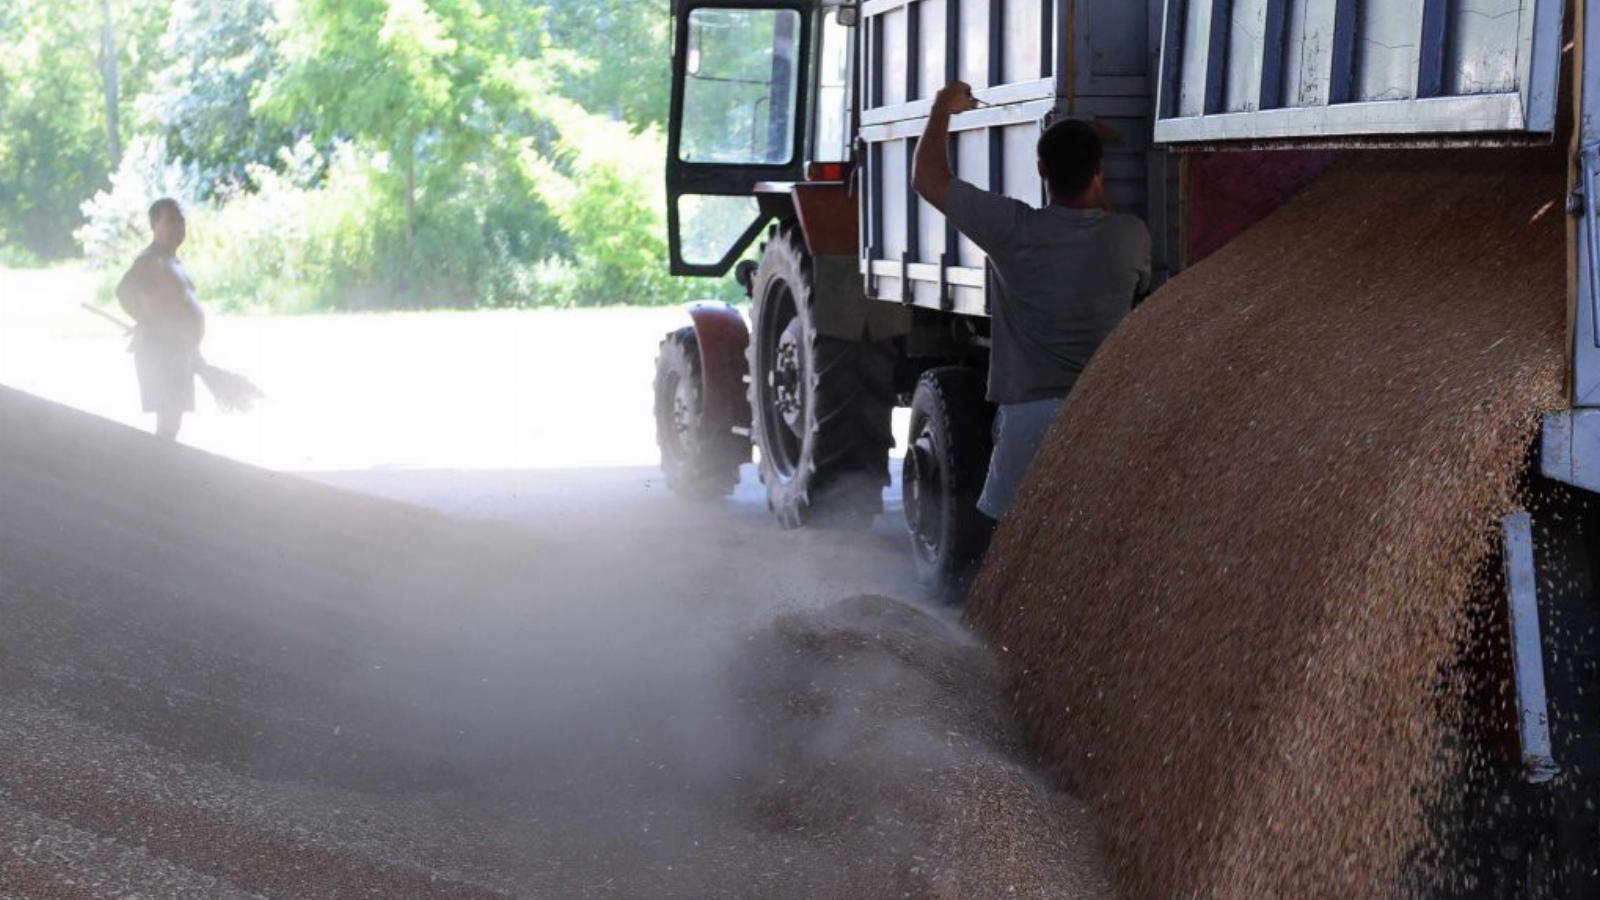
point(220, 682)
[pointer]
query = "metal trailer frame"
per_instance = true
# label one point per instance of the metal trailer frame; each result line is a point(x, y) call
point(1570, 452)
point(1239, 70)
point(1437, 72)
point(1377, 73)
point(1092, 59)
point(1527, 648)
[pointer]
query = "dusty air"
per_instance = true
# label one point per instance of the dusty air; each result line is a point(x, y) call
point(799, 449)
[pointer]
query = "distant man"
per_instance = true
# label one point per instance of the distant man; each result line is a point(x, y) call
point(1068, 274)
point(159, 296)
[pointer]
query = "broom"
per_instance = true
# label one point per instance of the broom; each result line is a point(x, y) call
point(232, 391)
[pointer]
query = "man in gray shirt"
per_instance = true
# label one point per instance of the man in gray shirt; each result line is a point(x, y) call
point(1068, 274)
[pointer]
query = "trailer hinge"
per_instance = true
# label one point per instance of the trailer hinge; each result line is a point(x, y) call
point(947, 295)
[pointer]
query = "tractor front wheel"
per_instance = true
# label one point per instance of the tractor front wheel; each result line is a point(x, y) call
point(700, 461)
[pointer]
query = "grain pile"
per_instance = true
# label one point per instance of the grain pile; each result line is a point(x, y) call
point(882, 734)
point(1231, 585)
point(261, 687)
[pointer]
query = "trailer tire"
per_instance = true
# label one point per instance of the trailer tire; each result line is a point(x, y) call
point(700, 462)
point(947, 460)
point(821, 406)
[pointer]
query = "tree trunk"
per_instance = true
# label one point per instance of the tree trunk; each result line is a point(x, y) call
point(411, 194)
point(110, 77)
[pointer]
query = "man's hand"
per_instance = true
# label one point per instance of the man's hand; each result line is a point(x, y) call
point(955, 98)
point(931, 175)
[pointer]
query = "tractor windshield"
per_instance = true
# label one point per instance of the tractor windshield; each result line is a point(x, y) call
point(741, 86)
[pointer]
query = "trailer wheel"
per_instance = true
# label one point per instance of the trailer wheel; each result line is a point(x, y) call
point(699, 463)
point(821, 405)
point(947, 459)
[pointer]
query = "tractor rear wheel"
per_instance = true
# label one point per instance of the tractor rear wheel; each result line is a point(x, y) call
point(821, 405)
point(700, 462)
point(947, 460)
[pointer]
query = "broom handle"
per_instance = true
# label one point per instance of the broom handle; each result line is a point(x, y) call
point(128, 327)
point(115, 320)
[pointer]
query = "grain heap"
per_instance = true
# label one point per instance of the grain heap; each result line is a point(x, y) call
point(1227, 592)
point(882, 740)
point(263, 687)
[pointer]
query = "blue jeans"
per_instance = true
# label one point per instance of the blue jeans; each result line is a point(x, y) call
point(1019, 429)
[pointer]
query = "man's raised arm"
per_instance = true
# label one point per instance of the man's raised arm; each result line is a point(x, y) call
point(931, 174)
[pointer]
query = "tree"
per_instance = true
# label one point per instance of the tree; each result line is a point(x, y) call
point(52, 145)
point(617, 56)
point(110, 76)
point(415, 77)
point(66, 80)
point(219, 55)
point(611, 208)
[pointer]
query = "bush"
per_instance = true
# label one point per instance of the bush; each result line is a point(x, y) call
point(116, 222)
point(604, 185)
point(583, 226)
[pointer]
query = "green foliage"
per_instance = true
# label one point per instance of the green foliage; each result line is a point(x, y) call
point(348, 154)
point(55, 148)
point(622, 67)
point(116, 221)
point(215, 62)
point(303, 238)
point(52, 146)
point(609, 206)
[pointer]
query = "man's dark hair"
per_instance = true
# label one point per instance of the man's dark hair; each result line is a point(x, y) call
point(161, 206)
point(1071, 153)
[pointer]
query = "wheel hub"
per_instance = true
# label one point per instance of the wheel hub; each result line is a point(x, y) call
point(924, 495)
point(785, 379)
point(683, 415)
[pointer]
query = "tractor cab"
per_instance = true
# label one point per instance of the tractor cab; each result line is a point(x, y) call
point(759, 91)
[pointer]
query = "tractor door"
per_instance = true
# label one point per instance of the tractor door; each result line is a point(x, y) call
point(739, 101)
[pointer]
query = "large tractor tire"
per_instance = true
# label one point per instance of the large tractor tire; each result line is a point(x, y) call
point(947, 460)
point(701, 462)
point(821, 405)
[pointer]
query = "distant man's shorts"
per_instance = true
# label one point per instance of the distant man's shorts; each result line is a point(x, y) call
point(166, 379)
point(1019, 429)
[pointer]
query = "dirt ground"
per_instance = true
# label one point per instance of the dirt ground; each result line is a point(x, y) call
point(217, 681)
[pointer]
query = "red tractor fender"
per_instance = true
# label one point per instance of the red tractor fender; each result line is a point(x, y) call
point(824, 210)
point(723, 337)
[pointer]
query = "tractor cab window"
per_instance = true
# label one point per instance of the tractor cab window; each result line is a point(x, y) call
point(712, 226)
point(741, 86)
